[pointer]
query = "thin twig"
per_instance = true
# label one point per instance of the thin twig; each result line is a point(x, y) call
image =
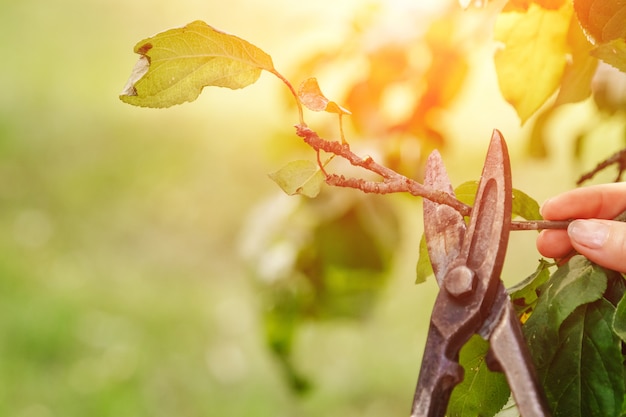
point(392, 181)
point(539, 224)
point(618, 158)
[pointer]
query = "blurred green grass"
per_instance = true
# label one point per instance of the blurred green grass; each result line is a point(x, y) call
point(121, 289)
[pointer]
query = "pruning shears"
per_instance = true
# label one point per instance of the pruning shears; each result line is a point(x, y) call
point(467, 261)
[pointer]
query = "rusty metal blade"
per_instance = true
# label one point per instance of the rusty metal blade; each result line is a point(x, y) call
point(487, 235)
point(508, 353)
point(444, 227)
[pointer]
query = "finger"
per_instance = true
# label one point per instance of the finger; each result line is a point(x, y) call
point(601, 241)
point(554, 243)
point(603, 201)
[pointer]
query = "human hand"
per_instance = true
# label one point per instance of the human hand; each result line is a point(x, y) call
point(600, 240)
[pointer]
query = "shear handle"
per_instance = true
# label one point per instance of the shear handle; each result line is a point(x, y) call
point(452, 324)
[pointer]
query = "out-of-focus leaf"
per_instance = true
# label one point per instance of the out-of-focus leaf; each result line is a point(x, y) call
point(534, 54)
point(586, 374)
point(550, 4)
point(312, 97)
point(522, 5)
point(280, 323)
point(347, 260)
point(579, 71)
point(482, 392)
point(387, 65)
point(602, 20)
point(177, 64)
point(319, 259)
point(299, 177)
point(612, 52)
point(576, 283)
point(424, 268)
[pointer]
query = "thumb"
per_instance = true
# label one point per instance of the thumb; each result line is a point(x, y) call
point(601, 241)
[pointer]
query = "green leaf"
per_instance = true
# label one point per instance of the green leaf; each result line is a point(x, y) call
point(613, 53)
point(525, 294)
point(280, 322)
point(616, 287)
point(586, 375)
point(177, 64)
point(466, 192)
point(424, 268)
point(534, 54)
point(299, 177)
point(619, 320)
point(482, 392)
point(523, 205)
point(576, 283)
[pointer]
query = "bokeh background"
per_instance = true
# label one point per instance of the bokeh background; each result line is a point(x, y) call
point(129, 258)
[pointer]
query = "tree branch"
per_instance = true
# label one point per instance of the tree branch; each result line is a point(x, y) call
point(392, 181)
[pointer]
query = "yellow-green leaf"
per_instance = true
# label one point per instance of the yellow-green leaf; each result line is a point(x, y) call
point(311, 96)
point(424, 268)
point(299, 177)
point(177, 64)
point(579, 71)
point(613, 53)
point(534, 54)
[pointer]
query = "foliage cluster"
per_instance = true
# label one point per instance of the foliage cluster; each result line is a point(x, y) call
point(550, 50)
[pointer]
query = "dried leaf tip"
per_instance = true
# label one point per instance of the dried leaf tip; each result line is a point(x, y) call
point(139, 70)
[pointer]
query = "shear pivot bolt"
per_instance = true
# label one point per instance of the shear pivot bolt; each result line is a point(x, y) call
point(460, 281)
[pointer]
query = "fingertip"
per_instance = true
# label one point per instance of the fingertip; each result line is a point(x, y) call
point(551, 209)
point(601, 241)
point(553, 243)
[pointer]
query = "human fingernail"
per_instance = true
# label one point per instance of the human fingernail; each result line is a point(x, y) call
point(588, 233)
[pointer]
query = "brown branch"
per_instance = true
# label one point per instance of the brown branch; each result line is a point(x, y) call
point(539, 224)
point(618, 158)
point(397, 183)
point(392, 181)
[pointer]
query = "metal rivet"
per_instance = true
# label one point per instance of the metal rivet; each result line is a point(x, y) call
point(460, 281)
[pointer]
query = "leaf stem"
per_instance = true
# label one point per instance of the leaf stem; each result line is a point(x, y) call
point(293, 93)
point(343, 137)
